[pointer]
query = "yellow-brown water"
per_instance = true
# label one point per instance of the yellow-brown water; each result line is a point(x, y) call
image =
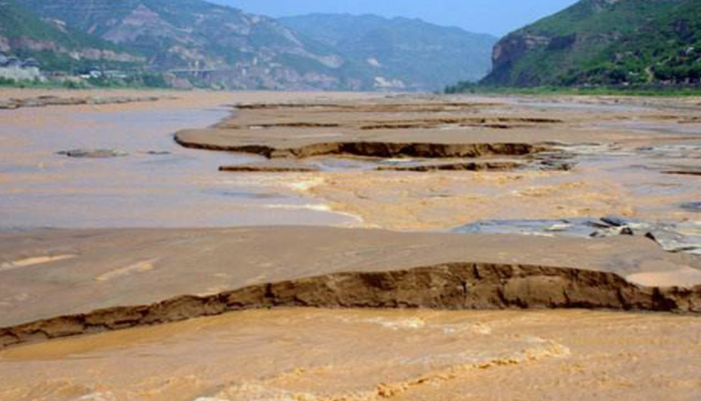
point(310, 355)
point(317, 355)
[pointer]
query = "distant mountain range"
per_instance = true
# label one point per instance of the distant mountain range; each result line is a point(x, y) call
point(420, 55)
point(194, 41)
point(605, 42)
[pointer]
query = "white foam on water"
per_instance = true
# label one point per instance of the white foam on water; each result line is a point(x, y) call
point(37, 260)
point(307, 206)
point(210, 399)
point(97, 397)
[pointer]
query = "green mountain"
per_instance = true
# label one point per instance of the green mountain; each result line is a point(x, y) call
point(609, 42)
point(56, 47)
point(400, 52)
point(213, 44)
point(197, 42)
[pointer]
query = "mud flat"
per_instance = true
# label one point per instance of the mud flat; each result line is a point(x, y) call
point(448, 161)
point(383, 128)
point(85, 282)
point(421, 127)
point(52, 100)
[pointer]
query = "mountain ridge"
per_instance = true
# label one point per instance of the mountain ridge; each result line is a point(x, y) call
point(604, 42)
point(400, 48)
point(216, 45)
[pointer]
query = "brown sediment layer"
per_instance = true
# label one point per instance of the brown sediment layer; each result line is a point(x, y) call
point(460, 166)
point(269, 168)
point(428, 107)
point(424, 123)
point(447, 286)
point(690, 120)
point(281, 125)
point(44, 101)
point(497, 123)
point(681, 172)
point(375, 149)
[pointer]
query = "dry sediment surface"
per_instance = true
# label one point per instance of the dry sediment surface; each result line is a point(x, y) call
point(65, 283)
point(383, 129)
point(411, 127)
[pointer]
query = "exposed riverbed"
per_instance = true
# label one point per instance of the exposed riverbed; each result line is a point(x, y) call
point(571, 168)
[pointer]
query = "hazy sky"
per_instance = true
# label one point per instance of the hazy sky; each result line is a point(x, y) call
point(491, 16)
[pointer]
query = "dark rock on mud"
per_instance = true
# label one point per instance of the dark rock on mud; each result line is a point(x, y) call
point(692, 206)
point(583, 228)
point(616, 221)
point(273, 166)
point(93, 153)
point(672, 240)
point(672, 237)
point(689, 172)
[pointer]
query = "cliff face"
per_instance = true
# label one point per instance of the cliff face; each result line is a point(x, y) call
point(604, 42)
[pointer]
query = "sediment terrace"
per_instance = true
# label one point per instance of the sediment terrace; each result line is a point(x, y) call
point(377, 149)
point(82, 282)
point(386, 128)
point(529, 137)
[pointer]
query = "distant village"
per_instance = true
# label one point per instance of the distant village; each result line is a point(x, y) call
point(16, 69)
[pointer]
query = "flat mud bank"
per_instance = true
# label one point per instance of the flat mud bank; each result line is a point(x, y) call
point(460, 286)
point(109, 280)
point(366, 149)
point(386, 128)
point(51, 100)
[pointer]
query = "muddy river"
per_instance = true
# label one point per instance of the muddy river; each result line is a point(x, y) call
point(311, 355)
point(152, 182)
point(643, 178)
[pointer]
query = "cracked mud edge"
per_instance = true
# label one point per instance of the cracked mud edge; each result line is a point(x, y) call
point(459, 286)
point(375, 149)
point(463, 166)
